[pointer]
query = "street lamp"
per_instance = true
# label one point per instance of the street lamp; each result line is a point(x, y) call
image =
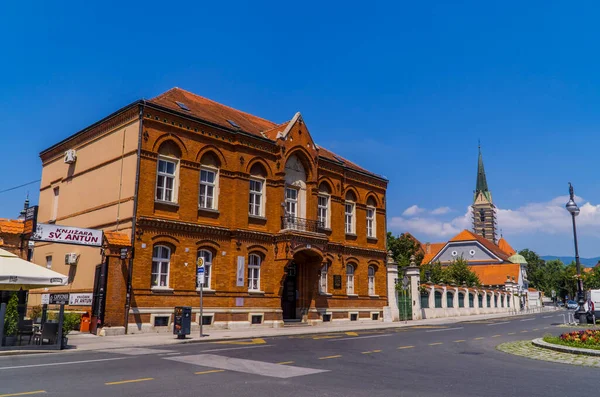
point(574, 211)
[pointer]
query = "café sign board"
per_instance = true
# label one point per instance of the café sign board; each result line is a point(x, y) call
point(67, 235)
point(59, 299)
point(84, 299)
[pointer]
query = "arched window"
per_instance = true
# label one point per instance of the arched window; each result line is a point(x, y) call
point(323, 205)
point(207, 256)
point(449, 299)
point(489, 300)
point(471, 300)
point(209, 182)
point(349, 213)
point(438, 299)
point(371, 281)
point(256, 202)
point(508, 301)
point(461, 299)
point(350, 279)
point(371, 218)
point(167, 169)
point(425, 300)
point(323, 278)
point(161, 259)
point(254, 262)
point(495, 300)
point(295, 192)
point(480, 300)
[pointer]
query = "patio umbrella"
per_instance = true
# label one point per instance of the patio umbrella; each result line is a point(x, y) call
point(16, 274)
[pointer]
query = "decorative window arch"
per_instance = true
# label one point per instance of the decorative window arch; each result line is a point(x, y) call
point(449, 299)
point(161, 262)
point(350, 279)
point(167, 172)
point(207, 255)
point(257, 197)
point(371, 280)
point(371, 218)
point(254, 262)
point(208, 197)
point(323, 208)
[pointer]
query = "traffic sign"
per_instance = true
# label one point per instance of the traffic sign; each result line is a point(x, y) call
point(405, 282)
point(200, 270)
point(200, 262)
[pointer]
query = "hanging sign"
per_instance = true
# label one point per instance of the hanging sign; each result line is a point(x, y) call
point(67, 235)
point(81, 299)
point(240, 271)
point(45, 299)
point(30, 220)
point(59, 299)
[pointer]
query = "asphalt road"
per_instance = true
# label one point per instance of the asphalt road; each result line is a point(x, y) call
point(447, 360)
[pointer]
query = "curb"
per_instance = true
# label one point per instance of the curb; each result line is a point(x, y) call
point(539, 342)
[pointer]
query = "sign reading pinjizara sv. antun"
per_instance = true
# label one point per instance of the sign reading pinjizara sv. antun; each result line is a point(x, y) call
point(67, 235)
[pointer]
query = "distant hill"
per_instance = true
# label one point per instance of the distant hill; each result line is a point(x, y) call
point(588, 262)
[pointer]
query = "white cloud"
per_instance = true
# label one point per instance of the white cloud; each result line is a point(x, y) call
point(440, 211)
point(413, 210)
point(430, 226)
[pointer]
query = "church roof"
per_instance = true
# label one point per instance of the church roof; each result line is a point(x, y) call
point(481, 185)
point(505, 246)
point(467, 235)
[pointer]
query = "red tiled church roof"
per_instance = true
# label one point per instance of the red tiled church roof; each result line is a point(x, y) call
point(466, 235)
point(505, 246)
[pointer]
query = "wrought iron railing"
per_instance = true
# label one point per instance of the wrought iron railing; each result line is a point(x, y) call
point(301, 224)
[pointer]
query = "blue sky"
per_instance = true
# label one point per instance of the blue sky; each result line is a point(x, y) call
point(404, 89)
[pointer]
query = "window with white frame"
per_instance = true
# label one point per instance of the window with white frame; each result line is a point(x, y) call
point(166, 179)
point(371, 218)
point(161, 259)
point(207, 256)
point(323, 278)
point(208, 187)
point(349, 217)
point(349, 279)
point(371, 280)
point(255, 202)
point(254, 262)
point(323, 205)
point(291, 202)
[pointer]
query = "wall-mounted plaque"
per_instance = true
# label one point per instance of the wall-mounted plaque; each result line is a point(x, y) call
point(337, 281)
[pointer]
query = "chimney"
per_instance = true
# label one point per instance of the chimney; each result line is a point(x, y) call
point(428, 248)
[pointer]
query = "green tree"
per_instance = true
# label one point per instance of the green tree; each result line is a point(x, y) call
point(458, 272)
point(11, 318)
point(437, 273)
point(592, 279)
point(403, 247)
point(535, 266)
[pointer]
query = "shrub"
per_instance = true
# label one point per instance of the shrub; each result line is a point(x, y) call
point(35, 312)
point(71, 321)
point(11, 318)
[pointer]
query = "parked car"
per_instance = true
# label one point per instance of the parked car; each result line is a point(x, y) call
point(560, 304)
point(572, 305)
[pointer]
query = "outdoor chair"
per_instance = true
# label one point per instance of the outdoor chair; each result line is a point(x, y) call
point(25, 327)
point(49, 333)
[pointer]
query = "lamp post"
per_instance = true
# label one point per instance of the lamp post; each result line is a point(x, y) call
point(574, 211)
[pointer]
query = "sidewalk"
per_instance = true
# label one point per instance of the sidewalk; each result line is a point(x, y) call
point(90, 342)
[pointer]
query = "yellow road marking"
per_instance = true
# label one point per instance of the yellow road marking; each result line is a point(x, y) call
point(256, 341)
point(436, 343)
point(128, 381)
point(327, 337)
point(372, 351)
point(212, 371)
point(405, 347)
point(479, 338)
point(460, 340)
point(512, 333)
point(27, 393)
point(330, 357)
point(496, 336)
point(285, 362)
point(351, 333)
point(546, 327)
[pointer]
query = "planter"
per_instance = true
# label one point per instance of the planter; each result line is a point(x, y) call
point(65, 342)
point(10, 340)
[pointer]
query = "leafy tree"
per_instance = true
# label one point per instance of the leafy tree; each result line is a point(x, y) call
point(458, 272)
point(436, 273)
point(592, 279)
point(403, 247)
point(11, 318)
point(535, 268)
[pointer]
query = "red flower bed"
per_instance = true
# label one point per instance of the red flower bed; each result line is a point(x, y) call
point(584, 338)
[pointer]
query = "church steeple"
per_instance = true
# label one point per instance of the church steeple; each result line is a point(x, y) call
point(483, 209)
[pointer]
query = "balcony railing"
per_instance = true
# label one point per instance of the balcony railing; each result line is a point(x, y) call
point(301, 224)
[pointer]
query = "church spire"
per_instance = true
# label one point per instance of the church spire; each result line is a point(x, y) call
point(481, 186)
point(483, 209)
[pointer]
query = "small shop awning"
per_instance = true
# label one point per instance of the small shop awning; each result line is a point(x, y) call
point(16, 274)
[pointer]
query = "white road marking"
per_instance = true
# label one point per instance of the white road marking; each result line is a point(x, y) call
point(234, 348)
point(137, 351)
point(247, 366)
point(547, 316)
point(504, 322)
point(361, 337)
point(65, 363)
point(444, 329)
point(528, 319)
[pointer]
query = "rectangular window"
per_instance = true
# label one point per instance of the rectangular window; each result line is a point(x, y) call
point(165, 180)
point(255, 201)
point(371, 281)
point(207, 320)
point(254, 272)
point(257, 319)
point(349, 218)
point(207, 189)
point(49, 262)
point(326, 318)
point(353, 316)
point(55, 204)
point(370, 222)
point(291, 202)
point(161, 321)
point(323, 279)
point(323, 208)
point(375, 316)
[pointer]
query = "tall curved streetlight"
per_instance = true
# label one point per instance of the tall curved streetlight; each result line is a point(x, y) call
point(574, 211)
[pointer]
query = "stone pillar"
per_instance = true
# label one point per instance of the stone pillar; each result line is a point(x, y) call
point(413, 273)
point(391, 313)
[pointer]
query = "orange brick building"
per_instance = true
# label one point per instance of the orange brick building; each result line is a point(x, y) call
point(286, 229)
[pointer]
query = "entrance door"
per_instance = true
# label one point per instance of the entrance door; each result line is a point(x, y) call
point(288, 298)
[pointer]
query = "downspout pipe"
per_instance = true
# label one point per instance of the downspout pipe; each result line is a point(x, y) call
point(134, 218)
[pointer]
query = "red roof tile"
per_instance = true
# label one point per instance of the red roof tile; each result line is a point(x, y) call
point(434, 249)
point(505, 246)
point(11, 226)
point(117, 239)
point(496, 274)
point(466, 235)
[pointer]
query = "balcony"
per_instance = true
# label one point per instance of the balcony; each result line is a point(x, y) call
point(301, 224)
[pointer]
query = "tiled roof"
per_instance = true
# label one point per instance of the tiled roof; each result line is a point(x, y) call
point(11, 226)
point(466, 235)
point(496, 274)
point(117, 239)
point(434, 249)
point(505, 246)
point(219, 114)
point(588, 269)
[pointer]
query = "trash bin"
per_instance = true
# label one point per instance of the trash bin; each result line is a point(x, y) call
point(182, 325)
point(85, 322)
